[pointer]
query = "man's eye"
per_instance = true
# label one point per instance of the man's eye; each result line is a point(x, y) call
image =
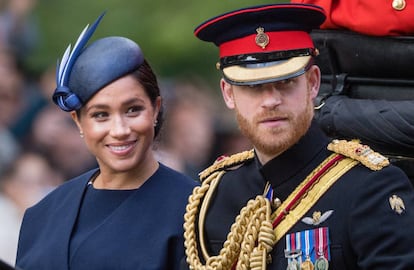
point(283, 84)
point(255, 86)
point(287, 81)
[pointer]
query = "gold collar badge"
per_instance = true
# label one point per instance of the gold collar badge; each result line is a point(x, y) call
point(262, 39)
point(397, 204)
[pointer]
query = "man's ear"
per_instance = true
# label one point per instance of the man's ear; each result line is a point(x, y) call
point(227, 92)
point(314, 80)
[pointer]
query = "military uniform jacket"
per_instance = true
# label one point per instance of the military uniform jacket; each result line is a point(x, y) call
point(365, 232)
point(143, 232)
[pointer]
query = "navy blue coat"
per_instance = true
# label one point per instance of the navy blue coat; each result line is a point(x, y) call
point(144, 232)
point(364, 231)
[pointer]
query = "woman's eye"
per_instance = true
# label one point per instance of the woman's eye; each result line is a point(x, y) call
point(99, 115)
point(135, 109)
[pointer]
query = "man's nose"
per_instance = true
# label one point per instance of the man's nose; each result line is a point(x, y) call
point(271, 96)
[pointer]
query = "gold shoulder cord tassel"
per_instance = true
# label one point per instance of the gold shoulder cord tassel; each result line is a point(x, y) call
point(249, 242)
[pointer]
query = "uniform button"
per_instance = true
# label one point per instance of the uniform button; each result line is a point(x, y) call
point(276, 203)
point(398, 4)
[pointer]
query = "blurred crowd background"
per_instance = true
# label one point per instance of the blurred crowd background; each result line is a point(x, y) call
point(40, 146)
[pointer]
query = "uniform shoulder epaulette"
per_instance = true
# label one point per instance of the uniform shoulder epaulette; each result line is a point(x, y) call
point(360, 152)
point(227, 162)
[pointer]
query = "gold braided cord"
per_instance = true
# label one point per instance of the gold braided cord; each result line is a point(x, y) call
point(259, 238)
point(203, 210)
point(249, 241)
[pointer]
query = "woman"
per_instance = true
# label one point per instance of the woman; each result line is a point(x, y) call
point(127, 213)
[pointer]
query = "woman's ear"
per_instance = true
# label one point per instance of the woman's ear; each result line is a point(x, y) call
point(157, 108)
point(75, 119)
point(227, 92)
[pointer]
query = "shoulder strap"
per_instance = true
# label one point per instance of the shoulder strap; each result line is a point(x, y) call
point(227, 162)
point(357, 151)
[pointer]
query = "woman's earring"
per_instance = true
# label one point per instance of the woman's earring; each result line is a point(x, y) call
point(81, 134)
point(155, 123)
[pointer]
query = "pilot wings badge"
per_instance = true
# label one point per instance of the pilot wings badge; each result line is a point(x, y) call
point(317, 218)
point(397, 204)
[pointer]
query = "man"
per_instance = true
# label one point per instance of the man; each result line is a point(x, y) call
point(298, 200)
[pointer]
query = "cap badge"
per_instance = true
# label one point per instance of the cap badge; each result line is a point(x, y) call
point(397, 204)
point(262, 39)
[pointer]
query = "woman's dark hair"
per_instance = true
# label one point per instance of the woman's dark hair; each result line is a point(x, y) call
point(147, 78)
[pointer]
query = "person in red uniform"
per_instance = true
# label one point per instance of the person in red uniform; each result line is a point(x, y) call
point(385, 18)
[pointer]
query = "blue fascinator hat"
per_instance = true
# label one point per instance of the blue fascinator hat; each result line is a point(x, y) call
point(85, 70)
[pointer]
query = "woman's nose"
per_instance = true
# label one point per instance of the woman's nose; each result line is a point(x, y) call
point(119, 127)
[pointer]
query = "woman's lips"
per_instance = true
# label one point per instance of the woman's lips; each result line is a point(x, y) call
point(122, 149)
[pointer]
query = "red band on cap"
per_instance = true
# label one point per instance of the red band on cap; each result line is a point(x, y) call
point(278, 41)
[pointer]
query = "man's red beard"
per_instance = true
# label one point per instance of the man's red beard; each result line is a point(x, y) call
point(274, 141)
